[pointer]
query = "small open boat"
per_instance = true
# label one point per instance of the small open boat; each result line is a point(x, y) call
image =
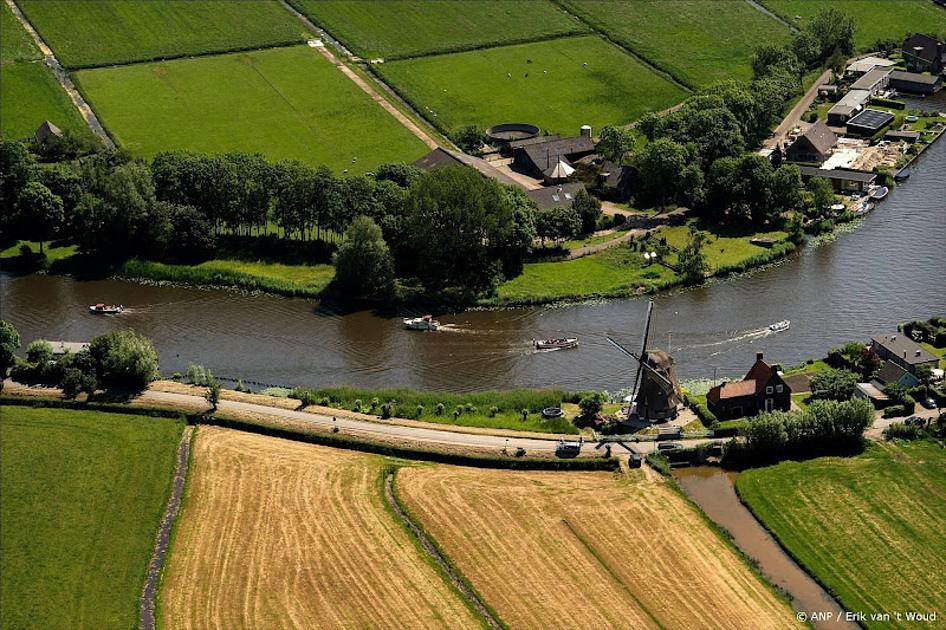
point(780, 326)
point(560, 343)
point(106, 309)
point(427, 322)
point(879, 193)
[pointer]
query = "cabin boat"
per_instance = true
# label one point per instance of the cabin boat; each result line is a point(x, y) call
point(427, 322)
point(780, 326)
point(560, 343)
point(106, 309)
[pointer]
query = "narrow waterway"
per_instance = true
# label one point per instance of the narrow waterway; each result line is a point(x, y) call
point(890, 269)
point(712, 489)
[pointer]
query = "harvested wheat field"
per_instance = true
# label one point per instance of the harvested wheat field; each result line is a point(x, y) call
point(579, 550)
point(277, 534)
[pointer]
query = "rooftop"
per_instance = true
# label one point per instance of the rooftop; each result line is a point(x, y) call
point(871, 79)
point(872, 119)
point(869, 63)
point(850, 102)
point(915, 77)
point(838, 173)
point(822, 139)
point(560, 196)
point(444, 157)
point(908, 350)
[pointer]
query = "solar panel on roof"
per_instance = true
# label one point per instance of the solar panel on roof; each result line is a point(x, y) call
point(871, 118)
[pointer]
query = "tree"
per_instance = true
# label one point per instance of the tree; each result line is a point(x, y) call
point(193, 235)
point(614, 143)
point(822, 196)
point(692, 260)
point(363, 264)
point(766, 57)
point(39, 352)
point(834, 384)
point(74, 381)
point(17, 166)
point(557, 223)
point(469, 139)
point(663, 166)
point(212, 395)
point(401, 174)
point(833, 30)
point(591, 405)
point(459, 230)
point(40, 211)
point(588, 209)
point(9, 342)
point(124, 359)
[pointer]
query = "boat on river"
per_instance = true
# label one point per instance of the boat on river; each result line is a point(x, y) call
point(427, 322)
point(106, 309)
point(879, 193)
point(560, 343)
point(780, 326)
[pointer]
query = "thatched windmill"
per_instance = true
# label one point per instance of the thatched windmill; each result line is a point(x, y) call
point(656, 394)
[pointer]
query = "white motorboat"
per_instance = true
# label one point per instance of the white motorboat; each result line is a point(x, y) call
point(560, 343)
point(106, 309)
point(879, 193)
point(427, 322)
point(780, 326)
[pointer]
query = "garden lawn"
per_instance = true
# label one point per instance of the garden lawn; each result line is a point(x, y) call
point(869, 527)
point(86, 33)
point(285, 279)
point(406, 28)
point(81, 493)
point(699, 42)
point(53, 253)
point(614, 272)
point(874, 19)
point(15, 43)
point(30, 94)
point(286, 103)
point(723, 249)
point(557, 85)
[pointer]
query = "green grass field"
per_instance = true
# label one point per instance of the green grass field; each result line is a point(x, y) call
point(30, 94)
point(15, 43)
point(697, 41)
point(285, 279)
point(86, 33)
point(81, 494)
point(544, 83)
point(406, 28)
point(869, 527)
point(287, 103)
point(53, 254)
point(875, 19)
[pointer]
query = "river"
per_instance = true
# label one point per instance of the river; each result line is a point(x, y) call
point(890, 269)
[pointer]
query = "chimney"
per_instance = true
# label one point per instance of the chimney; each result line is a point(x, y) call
point(585, 130)
point(917, 353)
point(758, 356)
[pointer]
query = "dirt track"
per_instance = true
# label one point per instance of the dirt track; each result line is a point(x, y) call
point(276, 534)
point(587, 550)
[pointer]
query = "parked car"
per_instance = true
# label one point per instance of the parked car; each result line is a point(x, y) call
point(669, 446)
point(636, 460)
point(914, 421)
point(928, 402)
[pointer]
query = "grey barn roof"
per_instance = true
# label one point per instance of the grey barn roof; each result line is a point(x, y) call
point(850, 102)
point(915, 77)
point(518, 144)
point(560, 196)
point(870, 79)
point(444, 157)
point(822, 139)
point(838, 173)
point(904, 348)
point(546, 154)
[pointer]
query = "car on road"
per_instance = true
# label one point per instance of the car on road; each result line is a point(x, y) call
point(635, 460)
point(669, 446)
point(928, 402)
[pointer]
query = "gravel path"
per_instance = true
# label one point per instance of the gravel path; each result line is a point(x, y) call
point(150, 590)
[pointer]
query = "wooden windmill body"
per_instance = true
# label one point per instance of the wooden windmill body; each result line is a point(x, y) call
point(656, 394)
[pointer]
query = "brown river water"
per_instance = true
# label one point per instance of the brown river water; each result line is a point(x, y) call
point(712, 489)
point(890, 269)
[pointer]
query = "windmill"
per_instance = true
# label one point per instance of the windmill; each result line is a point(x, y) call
point(656, 392)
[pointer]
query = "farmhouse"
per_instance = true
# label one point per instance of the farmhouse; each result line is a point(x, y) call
point(617, 181)
point(874, 81)
point(813, 146)
point(441, 157)
point(902, 350)
point(893, 374)
point(865, 65)
point(763, 389)
point(849, 105)
point(916, 83)
point(869, 122)
point(843, 179)
point(544, 160)
point(45, 131)
point(555, 196)
point(924, 53)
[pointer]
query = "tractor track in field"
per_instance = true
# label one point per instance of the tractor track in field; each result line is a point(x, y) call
point(163, 539)
point(49, 58)
point(428, 546)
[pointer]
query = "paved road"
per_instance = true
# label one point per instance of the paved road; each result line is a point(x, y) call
point(794, 117)
point(384, 432)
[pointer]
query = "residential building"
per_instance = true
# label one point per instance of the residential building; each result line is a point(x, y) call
point(874, 81)
point(893, 374)
point(763, 389)
point(561, 196)
point(842, 179)
point(916, 83)
point(900, 349)
point(865, 65)
point(542, 159)
point(849, 105)
point(924, 53)
point(814, 146)
point(872, 393)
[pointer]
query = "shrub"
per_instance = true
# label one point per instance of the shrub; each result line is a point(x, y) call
point(900, 431)
point(124, 359)
point(833, 384)
point(439, 409)
point(525, 414)
point(419, 411)
point(707, 417)
point(493, 411)
point(659, 463)
point(356, 405)
point(387, 410)
point(457, 412)
point(39, 352)
point(374, 405)
point(325, 401)
point(74, 382)
point(895, 411)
